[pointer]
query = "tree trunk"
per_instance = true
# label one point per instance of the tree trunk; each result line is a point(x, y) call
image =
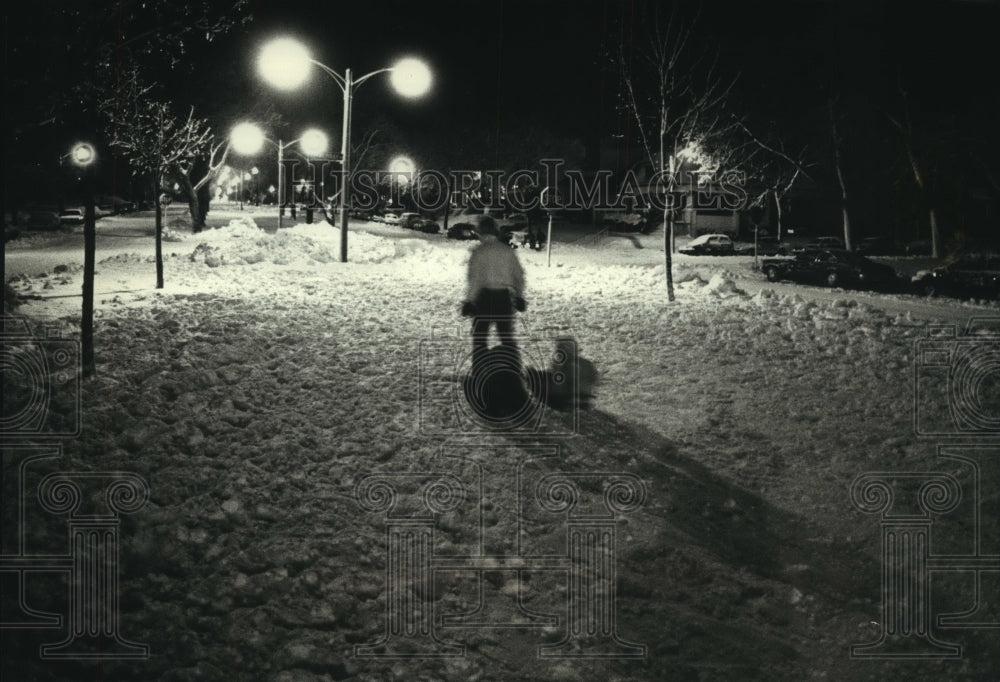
point(194, 209)
point(844, 203)
point(838, 163)
point(668, 211)
point(198, 196)
point(193, 202)
point(847, 226)
point(159, 235)
point(89, 367)
point(777, 210)
point(668, 240)
point(844, 207)
point(935, 233)
point(918, 178)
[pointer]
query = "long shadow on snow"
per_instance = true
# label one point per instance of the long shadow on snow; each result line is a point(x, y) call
point(734, 524)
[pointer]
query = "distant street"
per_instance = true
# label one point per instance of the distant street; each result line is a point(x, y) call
point(131, 234)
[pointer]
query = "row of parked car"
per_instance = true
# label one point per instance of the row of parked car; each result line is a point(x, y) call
point(512, 231)
point(723, 245)
point(971, 276)
point(833, 268)
point(408, 220)
point(975, 275)
point(825, 262)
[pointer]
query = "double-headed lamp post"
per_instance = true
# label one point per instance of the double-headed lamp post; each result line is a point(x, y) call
point(285, 63)
point(248, 139)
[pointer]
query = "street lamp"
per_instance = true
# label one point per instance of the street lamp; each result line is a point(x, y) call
point(285, 63)
point(82, 154)
point(403, 167)
point(248, 139)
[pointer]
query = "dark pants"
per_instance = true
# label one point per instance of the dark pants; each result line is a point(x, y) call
point(493, 306)
point(535, 236)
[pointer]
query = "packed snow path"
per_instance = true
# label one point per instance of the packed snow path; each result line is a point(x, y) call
point(267, 380)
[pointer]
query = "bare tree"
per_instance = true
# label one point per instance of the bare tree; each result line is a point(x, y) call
point(777, 171)
point(908, 138)
point(838, 164)
point(677, 99)
point(61, 83)
point(167, 150)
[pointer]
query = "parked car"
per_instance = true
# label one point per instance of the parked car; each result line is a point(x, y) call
point(710, 245)
point(112, 205)
point(832, 268)
point(71, 216)
point(409, 220)
point(462, 231)
point(425, 225)
point(973, 276)
point(390, 219)
point(514, 237)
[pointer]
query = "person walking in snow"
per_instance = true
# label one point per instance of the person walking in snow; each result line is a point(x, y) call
point(495, 291)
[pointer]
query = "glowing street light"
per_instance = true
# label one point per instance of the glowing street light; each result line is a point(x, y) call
point(82, 154)
point(313, 142)
point(285, 63)
point(403, 168)
point(248, 139)
point(411, 77)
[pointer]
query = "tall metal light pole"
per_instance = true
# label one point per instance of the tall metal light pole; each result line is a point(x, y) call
point(281, 182)
point(247, 139)
point(285, 63)
point(548, 238)
point(345, 161)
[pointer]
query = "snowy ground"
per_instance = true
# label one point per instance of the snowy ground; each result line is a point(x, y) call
point(268, 379)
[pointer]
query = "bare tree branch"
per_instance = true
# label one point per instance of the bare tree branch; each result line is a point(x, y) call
point(796, 163)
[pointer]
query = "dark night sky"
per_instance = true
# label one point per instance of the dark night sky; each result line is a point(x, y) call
point(500, 64)
point(507, 65)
